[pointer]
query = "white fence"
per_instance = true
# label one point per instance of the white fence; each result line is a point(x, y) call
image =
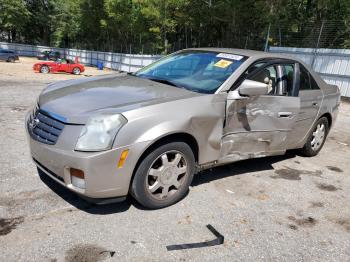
point(115, 61)
point(332, 64)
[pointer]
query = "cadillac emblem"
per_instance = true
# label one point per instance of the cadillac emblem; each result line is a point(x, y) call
point(33, 123)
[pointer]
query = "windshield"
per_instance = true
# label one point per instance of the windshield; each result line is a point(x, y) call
point(199, 71)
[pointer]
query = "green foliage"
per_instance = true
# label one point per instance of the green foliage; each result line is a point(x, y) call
point(162, 26)
point(13, 17)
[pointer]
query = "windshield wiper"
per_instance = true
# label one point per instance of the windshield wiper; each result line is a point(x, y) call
point(164, 81)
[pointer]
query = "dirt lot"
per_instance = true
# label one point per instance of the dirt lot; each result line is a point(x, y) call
point(286, 208)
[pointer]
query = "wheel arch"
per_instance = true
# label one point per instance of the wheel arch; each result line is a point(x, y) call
point(329, 118)
point(174, 137)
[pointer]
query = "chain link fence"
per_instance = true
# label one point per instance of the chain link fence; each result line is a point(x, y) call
point(319, 34)
point(321, 45)
point(115, 61)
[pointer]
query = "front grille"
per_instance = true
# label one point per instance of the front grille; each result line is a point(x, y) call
point(44, 128)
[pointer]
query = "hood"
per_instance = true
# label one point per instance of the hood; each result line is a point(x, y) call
point(75, 101)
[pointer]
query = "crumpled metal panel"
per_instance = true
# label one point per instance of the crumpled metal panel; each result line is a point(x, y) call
point(254, 127)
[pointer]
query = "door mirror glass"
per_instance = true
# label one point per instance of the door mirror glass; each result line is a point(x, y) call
point(252, 88)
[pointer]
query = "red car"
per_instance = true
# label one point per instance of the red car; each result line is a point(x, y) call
point(64, 65)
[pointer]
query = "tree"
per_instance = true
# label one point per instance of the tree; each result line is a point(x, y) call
point(13, 18)
point(163, 26)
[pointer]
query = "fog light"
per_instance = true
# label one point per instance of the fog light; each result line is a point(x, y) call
point(77, 178)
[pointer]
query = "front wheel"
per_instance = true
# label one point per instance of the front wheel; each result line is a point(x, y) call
point(317, 138)
point(44, 69)
point(76, 71)
point(11, 59)
point(164, 175)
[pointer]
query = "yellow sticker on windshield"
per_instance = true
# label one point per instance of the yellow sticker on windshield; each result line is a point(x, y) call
point(223, 63)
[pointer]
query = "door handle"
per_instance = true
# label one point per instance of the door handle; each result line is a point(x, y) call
point(285, 114)
point(314, 103)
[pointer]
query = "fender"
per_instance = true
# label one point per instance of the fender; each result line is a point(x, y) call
point(204, 123)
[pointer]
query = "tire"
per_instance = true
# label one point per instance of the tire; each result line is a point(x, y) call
point(316, 140)
point(44, 69)
point(166, 166)
point(11, 59)
point(76, 71)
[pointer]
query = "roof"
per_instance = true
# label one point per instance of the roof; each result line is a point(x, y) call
point(245, 52)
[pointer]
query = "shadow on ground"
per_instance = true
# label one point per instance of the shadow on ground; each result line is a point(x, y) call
point(238, 168)
point(82, 204)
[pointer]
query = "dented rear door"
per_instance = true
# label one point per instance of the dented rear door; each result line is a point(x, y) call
point(258, 126)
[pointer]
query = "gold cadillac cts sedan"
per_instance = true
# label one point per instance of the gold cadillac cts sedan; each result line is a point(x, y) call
point(148, 133)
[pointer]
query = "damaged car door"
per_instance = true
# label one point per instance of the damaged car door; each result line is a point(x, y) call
point(311, 98)
point(261, 111)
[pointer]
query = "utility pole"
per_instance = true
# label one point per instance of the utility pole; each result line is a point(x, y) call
point(280, 35)
point(267, 39)
point(317, 45)
point(164, 28)
point(319, 36)
point(246, 41)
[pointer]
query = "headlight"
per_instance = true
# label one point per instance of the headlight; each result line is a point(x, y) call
point(99, 132)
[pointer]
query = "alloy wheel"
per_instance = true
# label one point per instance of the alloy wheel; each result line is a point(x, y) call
point(166, 175)
point(44, 69)
point(76, 71)
point(318, 137)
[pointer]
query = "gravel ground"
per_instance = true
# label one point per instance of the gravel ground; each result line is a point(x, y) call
point(286, 208)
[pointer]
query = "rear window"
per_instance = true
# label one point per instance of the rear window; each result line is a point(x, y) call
point(314, 84)
point(304, 79)
point(307, 82)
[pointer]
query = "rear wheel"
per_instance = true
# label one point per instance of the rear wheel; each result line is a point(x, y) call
point(44, 69)
point(164, 175)
point(11, 59)
point(76, 71)
point(317, 138)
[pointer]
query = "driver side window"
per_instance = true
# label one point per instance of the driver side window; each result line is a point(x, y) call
point(267, 76)
point(279, 77)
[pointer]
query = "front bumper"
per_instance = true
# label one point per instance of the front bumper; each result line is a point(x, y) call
point(36, 68)
point(103, 178)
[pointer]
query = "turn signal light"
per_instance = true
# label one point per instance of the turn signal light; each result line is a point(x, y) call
point(77, 173)
point(122, 158)
point(77, 178)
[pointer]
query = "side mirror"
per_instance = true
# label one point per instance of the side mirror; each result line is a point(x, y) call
point(252, 88)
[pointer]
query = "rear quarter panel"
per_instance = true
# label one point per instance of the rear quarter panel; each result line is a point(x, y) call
point(331, 101)
point(331, 96)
